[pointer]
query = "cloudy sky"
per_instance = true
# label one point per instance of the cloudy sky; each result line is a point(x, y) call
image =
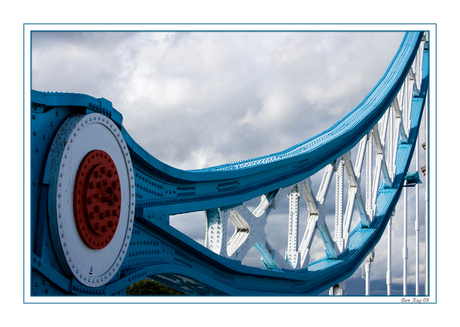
point(199, 99)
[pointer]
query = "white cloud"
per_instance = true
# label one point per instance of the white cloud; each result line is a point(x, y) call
point(212, 87)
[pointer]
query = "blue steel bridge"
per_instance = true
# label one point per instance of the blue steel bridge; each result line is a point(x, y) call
point(101, 204)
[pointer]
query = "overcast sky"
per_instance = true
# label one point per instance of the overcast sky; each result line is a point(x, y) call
point(195, 100)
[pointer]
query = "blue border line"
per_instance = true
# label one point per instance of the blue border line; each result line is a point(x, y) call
point(428, 123)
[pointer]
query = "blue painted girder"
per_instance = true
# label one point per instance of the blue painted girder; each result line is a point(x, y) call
point(324, 273)
point(162, 190)
point(302, 160)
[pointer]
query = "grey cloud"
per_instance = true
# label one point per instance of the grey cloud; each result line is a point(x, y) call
point(244, 94)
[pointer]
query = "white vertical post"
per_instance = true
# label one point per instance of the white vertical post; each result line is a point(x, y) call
point(390, 142)
point(367, 270)
point(338, 289)
point(339, 205)
point(292, 254)
point(369, 169)
point(417, 225)
point(405, 244)
point(426, 183)
point(425, 172)
point(367, 274)
point(389, 257)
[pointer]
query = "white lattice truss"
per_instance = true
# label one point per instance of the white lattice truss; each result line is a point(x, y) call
point(376, 151)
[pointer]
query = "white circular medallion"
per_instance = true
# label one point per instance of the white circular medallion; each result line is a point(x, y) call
point(107, 216)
